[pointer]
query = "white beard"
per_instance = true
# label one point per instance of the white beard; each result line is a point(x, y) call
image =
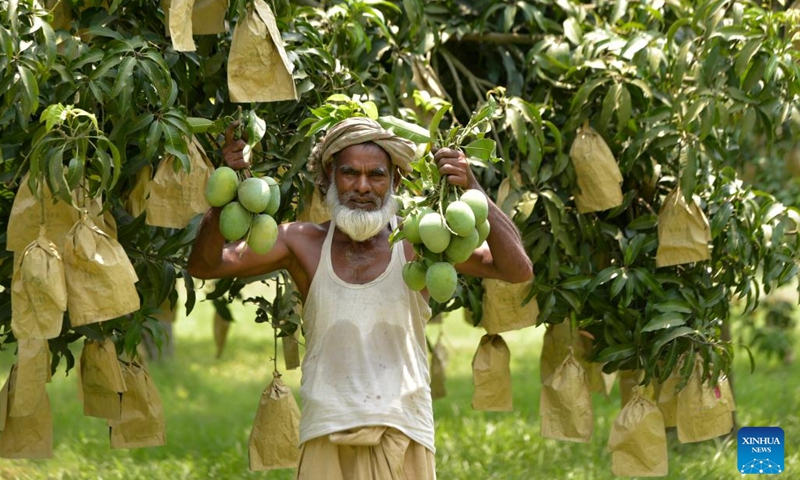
point(360, 225)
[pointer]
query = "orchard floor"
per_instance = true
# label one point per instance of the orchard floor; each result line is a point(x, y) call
point(209, 405)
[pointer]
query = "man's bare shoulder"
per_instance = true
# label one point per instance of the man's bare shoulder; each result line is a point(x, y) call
point(305, 232)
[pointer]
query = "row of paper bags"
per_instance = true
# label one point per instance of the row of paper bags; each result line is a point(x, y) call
point(120, 392)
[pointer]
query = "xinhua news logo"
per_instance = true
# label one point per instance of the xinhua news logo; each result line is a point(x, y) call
point(760, 450)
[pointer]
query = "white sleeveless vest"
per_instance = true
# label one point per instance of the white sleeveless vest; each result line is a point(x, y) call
point(366, 360)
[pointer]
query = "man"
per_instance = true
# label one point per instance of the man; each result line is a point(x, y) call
point(366, 404)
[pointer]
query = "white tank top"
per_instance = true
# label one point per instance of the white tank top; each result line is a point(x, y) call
point(366, 360)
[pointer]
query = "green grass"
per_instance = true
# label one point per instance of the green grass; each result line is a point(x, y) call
point(209, 406)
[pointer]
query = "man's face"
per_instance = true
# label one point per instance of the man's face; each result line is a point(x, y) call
point(360, 194)
point(362, 174)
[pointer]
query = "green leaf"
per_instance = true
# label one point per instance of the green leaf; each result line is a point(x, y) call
point(610, 103)
point(152, 140)
point(644, 222)
point(689, 173)
point(665, 320)
point(745, 55)
point(624, 108)
point(616, 352)
point(30, 99)
point(433, 128)
point(669, 336)
point(572, 30)
point(256, 128)
point(576, 282)
point(483, 148)
point(607, 274)
point(673, 306)
point(404, 129)
point(191, 295)
point(580, 98)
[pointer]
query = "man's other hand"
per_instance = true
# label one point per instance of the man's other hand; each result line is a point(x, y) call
point(454, 165)
point(233, 150)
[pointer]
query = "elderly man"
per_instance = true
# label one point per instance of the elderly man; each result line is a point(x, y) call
point(366, 403)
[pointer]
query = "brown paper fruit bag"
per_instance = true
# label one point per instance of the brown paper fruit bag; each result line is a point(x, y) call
point(638, 441)
point(208, 17)
point(141, 423)
point(668, 398)
point(565, 404)
point(439, 356)
point(38, 291)
point(33, 372)
point(703, 412)
point(176, 197)
point(275, 437)
point(503, 308)
point(491, 375)
point(629, 385)
point(101, 383)
point(179, 25)
point(258, 68)
point(683, 232)
point(26, 217)
point(556, 344)
point(100, 277)
point(597, 172)
point(30, 436)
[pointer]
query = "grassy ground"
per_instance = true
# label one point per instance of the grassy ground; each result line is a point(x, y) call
point(209, 406)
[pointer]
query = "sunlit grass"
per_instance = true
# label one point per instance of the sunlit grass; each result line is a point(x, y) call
point(210, 403)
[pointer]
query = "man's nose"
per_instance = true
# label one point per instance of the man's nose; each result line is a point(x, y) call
point(363, 185)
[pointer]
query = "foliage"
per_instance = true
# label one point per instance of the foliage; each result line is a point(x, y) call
point(654, 78)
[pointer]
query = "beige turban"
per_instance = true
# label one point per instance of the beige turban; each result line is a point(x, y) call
point(353, 131)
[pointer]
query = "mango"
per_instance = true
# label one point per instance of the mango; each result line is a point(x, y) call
point(460, 218)
point(234, 221)
point(274, 196)
point(222, 186)
point(414, 275)
point(263, 234)
point(254, 194)
point(461, 248)
point(441, 280)
point(478, 203)
point(483, 232)
point(411, 225)
point(433, 232)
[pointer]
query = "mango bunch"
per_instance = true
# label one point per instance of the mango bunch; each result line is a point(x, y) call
point(247, 207)
point(442, 239)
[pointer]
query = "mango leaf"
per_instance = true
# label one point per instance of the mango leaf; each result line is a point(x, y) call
point(256, 128)
point(433, 128)
point(404, 129)
point(616, 352)
point(665, 320)
point(483, 148)
point(746, 55)
point(669, 336)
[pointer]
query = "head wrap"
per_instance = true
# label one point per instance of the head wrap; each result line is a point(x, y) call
point(354, 131)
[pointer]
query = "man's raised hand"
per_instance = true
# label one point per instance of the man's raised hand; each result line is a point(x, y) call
point(233, 150)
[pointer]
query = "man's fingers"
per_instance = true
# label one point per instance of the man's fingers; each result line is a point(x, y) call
point(230, 130)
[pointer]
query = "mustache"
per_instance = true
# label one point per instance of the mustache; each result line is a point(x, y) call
point(370, 198)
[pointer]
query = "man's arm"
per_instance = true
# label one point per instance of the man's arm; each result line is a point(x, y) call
point(212, 257)
point(502, 256)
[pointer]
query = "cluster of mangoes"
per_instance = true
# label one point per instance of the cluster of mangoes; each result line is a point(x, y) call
point(443, 241)
point(247, 207)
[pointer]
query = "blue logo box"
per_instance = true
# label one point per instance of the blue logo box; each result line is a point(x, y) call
point(760, 450)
